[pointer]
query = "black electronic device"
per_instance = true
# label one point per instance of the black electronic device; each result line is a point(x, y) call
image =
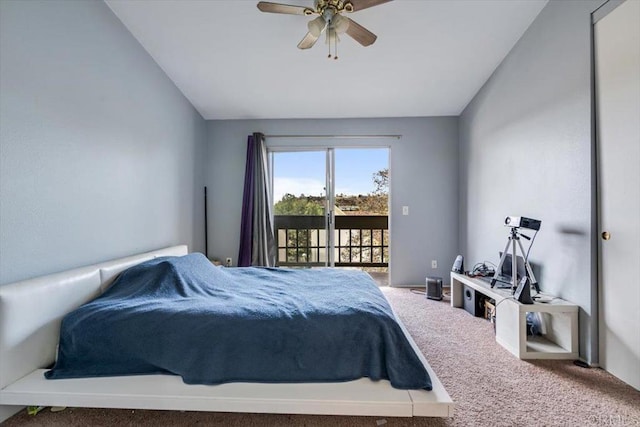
point(458, 265)
point(434, 288)
point(505, 270)
point(524, 222)
point(504, 277)
point(523, 292)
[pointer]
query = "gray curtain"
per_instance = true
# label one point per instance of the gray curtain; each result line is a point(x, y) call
point(263, 250)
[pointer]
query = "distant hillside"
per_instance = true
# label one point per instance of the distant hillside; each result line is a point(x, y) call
point(348, 205)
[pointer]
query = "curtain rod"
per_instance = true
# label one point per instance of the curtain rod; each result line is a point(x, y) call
point(335, 136)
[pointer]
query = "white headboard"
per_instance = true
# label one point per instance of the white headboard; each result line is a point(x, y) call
point(31, 310)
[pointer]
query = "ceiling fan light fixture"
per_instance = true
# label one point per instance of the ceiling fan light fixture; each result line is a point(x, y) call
point(340, 23)
point(316, 26)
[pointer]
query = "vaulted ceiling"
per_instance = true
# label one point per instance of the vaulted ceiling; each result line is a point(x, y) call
point(234, 62)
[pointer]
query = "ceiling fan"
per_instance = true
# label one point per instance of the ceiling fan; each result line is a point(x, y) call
point(330, 20)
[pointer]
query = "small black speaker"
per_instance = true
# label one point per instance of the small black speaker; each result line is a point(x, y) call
point(434, 288)
point(471, 302)
point(523, 292)
point(458, 265)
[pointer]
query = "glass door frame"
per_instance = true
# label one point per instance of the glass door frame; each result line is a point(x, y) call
point(330, 197)
point(329, 190)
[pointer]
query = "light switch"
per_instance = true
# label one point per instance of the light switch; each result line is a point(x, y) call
point(405, 210)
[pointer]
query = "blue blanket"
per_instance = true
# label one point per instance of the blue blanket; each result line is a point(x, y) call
point(212, 325)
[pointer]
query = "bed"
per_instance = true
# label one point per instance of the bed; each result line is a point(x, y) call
point(30, 315)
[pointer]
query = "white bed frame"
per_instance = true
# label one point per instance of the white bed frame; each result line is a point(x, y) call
point(30, 315)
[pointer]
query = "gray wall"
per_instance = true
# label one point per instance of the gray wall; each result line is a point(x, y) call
point(423, 176)
point(526, 149)
point(100, 154)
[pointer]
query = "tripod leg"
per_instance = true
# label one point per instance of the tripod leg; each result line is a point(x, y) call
point(514, 264)
point(532, 278)
point(499, 267)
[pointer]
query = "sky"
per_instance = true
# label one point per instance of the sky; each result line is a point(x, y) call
point(303, 172)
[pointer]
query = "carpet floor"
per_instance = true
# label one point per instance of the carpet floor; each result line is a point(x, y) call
point(489, 386)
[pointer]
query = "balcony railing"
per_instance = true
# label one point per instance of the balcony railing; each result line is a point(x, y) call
point(360, 241)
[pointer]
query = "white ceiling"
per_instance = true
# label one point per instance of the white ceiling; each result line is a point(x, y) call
point(234, 62)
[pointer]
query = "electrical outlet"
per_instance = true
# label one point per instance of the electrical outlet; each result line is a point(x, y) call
point(228, 262)
point(434, 263)
point(405, 210)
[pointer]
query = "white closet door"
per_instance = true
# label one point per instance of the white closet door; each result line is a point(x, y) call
point(617, 56)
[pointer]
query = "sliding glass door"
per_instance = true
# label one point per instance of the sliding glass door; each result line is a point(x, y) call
point(300, 208)
point(361, 209)
point(331, 207)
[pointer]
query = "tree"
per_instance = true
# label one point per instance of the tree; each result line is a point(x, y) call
point(299, 241)
point(303, 205)
point(377, 202)
point(381, 181)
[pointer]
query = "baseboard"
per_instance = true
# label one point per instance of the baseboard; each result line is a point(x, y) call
point(7, 411)
point(444, 288)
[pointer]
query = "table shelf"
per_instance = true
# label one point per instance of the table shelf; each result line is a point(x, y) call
point(561, 321)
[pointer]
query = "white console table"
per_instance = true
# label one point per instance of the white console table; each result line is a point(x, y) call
point(561, 338)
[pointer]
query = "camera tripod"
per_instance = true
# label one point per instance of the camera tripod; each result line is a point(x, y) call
point(514, 237)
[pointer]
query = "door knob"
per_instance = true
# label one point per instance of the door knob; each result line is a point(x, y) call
point(606, 235)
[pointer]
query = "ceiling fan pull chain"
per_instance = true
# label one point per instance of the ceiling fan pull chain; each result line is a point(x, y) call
point(335, 39)
point(329, 41)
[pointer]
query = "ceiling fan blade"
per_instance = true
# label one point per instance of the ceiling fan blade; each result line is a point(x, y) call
point(308, 41)
point(360, 33)
point(266, 6)
point(363, 4)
